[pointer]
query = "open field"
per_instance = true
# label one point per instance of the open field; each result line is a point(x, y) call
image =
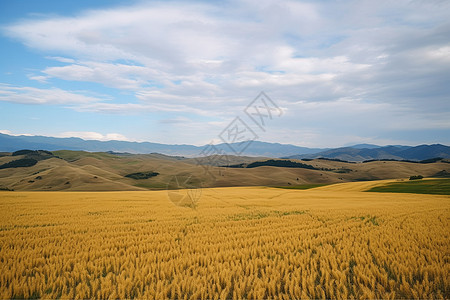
point(431, 186)
point(335, 241)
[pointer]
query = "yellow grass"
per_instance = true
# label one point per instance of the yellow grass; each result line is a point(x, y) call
point(331, 242)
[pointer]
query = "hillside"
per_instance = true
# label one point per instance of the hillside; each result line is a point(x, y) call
point(100, 171)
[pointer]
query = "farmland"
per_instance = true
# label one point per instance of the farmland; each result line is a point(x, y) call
point(431, 186)
point(334, 241)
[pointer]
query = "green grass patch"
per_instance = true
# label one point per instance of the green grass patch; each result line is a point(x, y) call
point(432, 186)
point(302, 186)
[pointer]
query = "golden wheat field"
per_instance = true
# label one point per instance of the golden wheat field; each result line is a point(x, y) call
point(330, 242)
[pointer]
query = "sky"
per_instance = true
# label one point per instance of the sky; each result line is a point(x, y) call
point(180, 72)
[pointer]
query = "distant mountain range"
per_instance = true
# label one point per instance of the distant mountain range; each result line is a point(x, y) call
point(358, 152)
point(421, 152)
point(10, 143)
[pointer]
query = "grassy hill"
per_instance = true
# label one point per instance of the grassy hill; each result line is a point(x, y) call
point(101, 171)
point(432, 186)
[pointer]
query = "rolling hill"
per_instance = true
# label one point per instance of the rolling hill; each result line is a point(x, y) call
point(100, 171)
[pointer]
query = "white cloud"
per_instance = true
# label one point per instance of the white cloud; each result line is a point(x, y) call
point(41, 79)
point(14, 134)
point(86, 135)
point(186, 42)
point(358, 62)
point(61, 59)
point(91, 135)
point(120, 76)
point(441, 54)
point(113, 108)
point(31, 95)
point(135, 108)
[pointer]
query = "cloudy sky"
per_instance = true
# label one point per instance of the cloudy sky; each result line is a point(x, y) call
point(342, 72)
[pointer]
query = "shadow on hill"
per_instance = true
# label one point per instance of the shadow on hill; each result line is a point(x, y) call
point(29, 158)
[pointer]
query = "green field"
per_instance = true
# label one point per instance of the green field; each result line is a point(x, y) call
point(432, 186)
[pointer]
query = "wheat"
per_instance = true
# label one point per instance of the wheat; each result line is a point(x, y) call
point(239, 243)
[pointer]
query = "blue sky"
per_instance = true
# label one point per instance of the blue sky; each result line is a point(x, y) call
point(178, 72)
